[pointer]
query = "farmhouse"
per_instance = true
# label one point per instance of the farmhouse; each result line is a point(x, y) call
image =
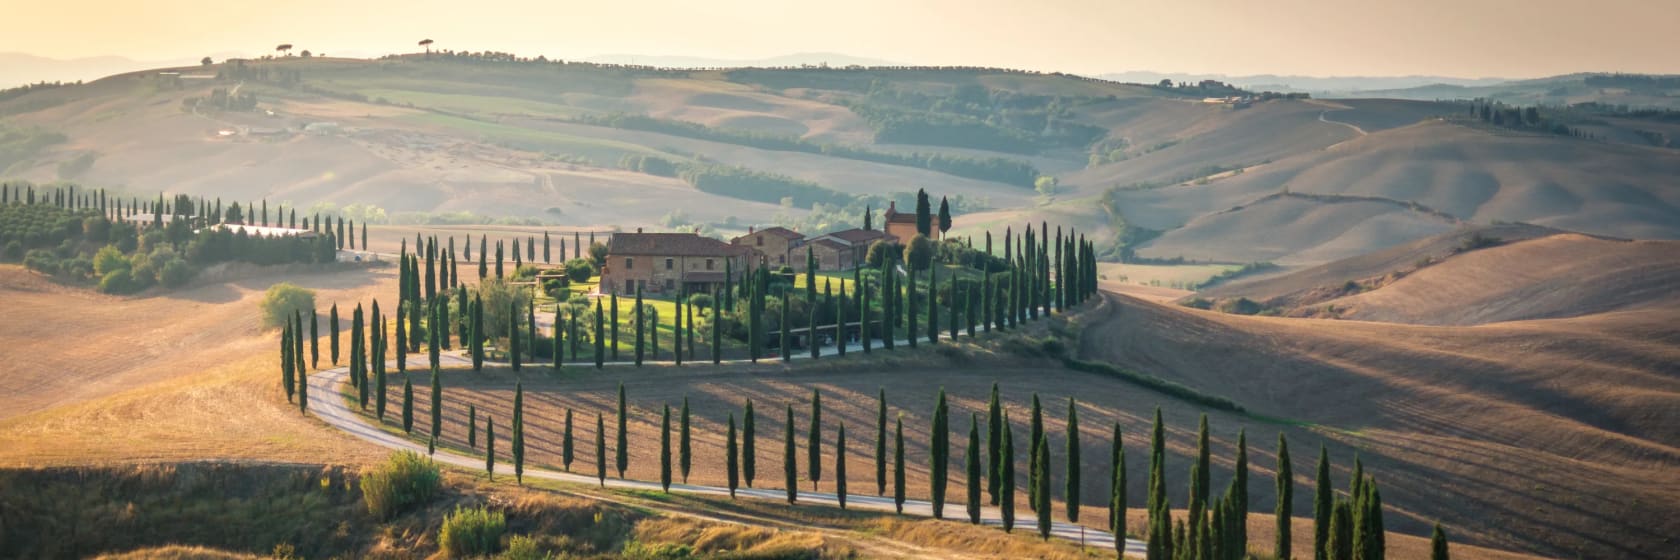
point(773, 244)
point(667, 262)
point(900, 227)
point(843, 250)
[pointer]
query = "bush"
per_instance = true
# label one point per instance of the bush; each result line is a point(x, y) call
point(284, 298)
point(521, 547)
point(701, 301)
point(579, 270)
point(109, 259)
point(14, 250)
point(119, 281)
point(175, 273)
point(42, 261)
point(471, 532)
point(526, 272)
point(405, 479)
point(920, 252)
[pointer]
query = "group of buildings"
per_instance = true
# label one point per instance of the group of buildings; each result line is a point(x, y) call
point(674, 262)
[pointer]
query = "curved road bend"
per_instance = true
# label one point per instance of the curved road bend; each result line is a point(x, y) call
point(334, 409)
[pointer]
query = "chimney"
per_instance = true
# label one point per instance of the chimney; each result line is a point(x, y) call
point(892, 207)
point(749, 230)
point(638, 230)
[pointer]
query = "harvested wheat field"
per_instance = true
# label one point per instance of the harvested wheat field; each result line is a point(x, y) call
point(1556, 436)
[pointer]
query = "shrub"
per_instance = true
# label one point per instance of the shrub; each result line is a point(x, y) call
point(175, 274)
point(920, 252)
point(14, 250)
point(521, 547)
point(405, 479)
point(700, 301)
point(108, 259)
point(284, 298)
point(119, 281)
point(471, 532)
point(525, 272)
point(579, 270)
point(42, 261)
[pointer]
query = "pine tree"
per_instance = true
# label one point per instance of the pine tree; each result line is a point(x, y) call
point(408, 406)
point(1285, 499)
point(333, 318)
point(489, 446)
point(623, 443)
point(600, 449)
point(1043, 507)
point(1037, 435)
point(813, 442)
point(1323, 506)
point(685, 445)
point(790, 465)
point(1006, 473)
point(898, 465)
point(665, 450)
point(566, 443)
point(939, 455)
point(1072, 488)
point(994, 431)
point(971, 461)
point(730, 465)
point(749, 449)
point(1438, 544)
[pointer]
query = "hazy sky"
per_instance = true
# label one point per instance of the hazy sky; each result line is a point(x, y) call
point(1465, 38)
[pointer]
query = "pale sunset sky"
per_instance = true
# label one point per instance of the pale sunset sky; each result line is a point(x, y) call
point(1462, 38)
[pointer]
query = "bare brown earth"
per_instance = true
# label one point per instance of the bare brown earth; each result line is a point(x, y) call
point(1554, 436)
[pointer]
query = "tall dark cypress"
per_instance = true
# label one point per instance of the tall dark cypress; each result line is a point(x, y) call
point(402, 336)
point(408, 406)
point(1117, 495)
point(898, 465)
point(685, 445)
point(566, 443)
point(790, 464)
point(613, 300)
point(314, 339)
point(994, 431)
point(288, 379)
point(437, 406)
point(600, 341)
point(749, 447)
point(559, 335)
point(939, 455)
point(1438, 544)
point(333, 319)
point(785, 348)
point(1006, 472)
point(1285, 499)
point(513, 336)
point(881, 445)
point(489, 446)
point(813, 442)
point(641, 319)
point(1323, 505)
point(910, 309)
point(1043, 507)
point(933, 304)
point(665, 450)
point(971, 460)
point(730, 465)
point(623, 443)
point(1072, 493)
point(717, 329)
point(518, 443)
point(1037, 435)
point(839, 319)
point(1239, 497)
point(601, 449)
point(840, 465)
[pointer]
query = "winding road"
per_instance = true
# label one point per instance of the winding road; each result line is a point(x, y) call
point(333, 408)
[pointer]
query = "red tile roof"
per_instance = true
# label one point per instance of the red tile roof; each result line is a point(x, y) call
point(669, 245)
point(856, 235)
point(777, 231)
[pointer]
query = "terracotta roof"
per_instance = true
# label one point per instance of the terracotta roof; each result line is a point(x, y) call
point(901, 218)
point(669, 245)
point(831, 244)
point(855, 235)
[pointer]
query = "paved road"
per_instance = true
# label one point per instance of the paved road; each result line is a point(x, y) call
point(333, 408)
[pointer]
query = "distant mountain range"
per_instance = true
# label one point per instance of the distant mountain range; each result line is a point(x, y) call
point(1310, 84)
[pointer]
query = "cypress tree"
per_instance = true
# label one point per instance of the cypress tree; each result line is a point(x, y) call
point(790, 465)
point(519, 433)
point(303, 393)
point(862, 290)
point(839, 318)
point(1339, 542)
point(333, 318)
point(314, 339)
point(559, 345)
point(898, 465)
point(614, 342)
point(685, 445)
point(881, 445)
point(566, 443)
point(785, 349)
point(717, 329)
point(1239, 498)
point(641, 318)
point(402, 335)
point(437, 405)
point(676, 333)
point(530, 326)
point(840, 465)
point(1438, 544)
point(749, 449)
point(813, 447)
point(910, 333)
point(483, 258)
point(477, 332)
point(933, 304)
point(1037, 435)
point(379, 377)
point(1285, 499)
point(1117, 495)
point(287, 378)
point(811, 309)
point(472, 427)
point(408, 406)
point(600, 341)
point(1199, 498)
point(1072, 489)
point(1043, 507)
point(994, 431)
point(730, 466)
point(971, 461)
point(489, 446)
point(513, 336)
point(297, 346)
point(600, 450)
point(940, 455)
point(1323, 506)
point(499, 258)
point(987, 308)
point(1006, 473)
point(665, 450)
point(688, 328)
point(623, 443)
point(951, 307)
point(545, 248)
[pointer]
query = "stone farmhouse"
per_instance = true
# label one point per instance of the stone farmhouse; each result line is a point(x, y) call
point(667, 263)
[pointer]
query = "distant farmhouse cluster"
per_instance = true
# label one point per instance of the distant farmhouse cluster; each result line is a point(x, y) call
point(659, 263)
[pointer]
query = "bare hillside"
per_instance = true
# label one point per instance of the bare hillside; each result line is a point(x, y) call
point(1297, 229)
